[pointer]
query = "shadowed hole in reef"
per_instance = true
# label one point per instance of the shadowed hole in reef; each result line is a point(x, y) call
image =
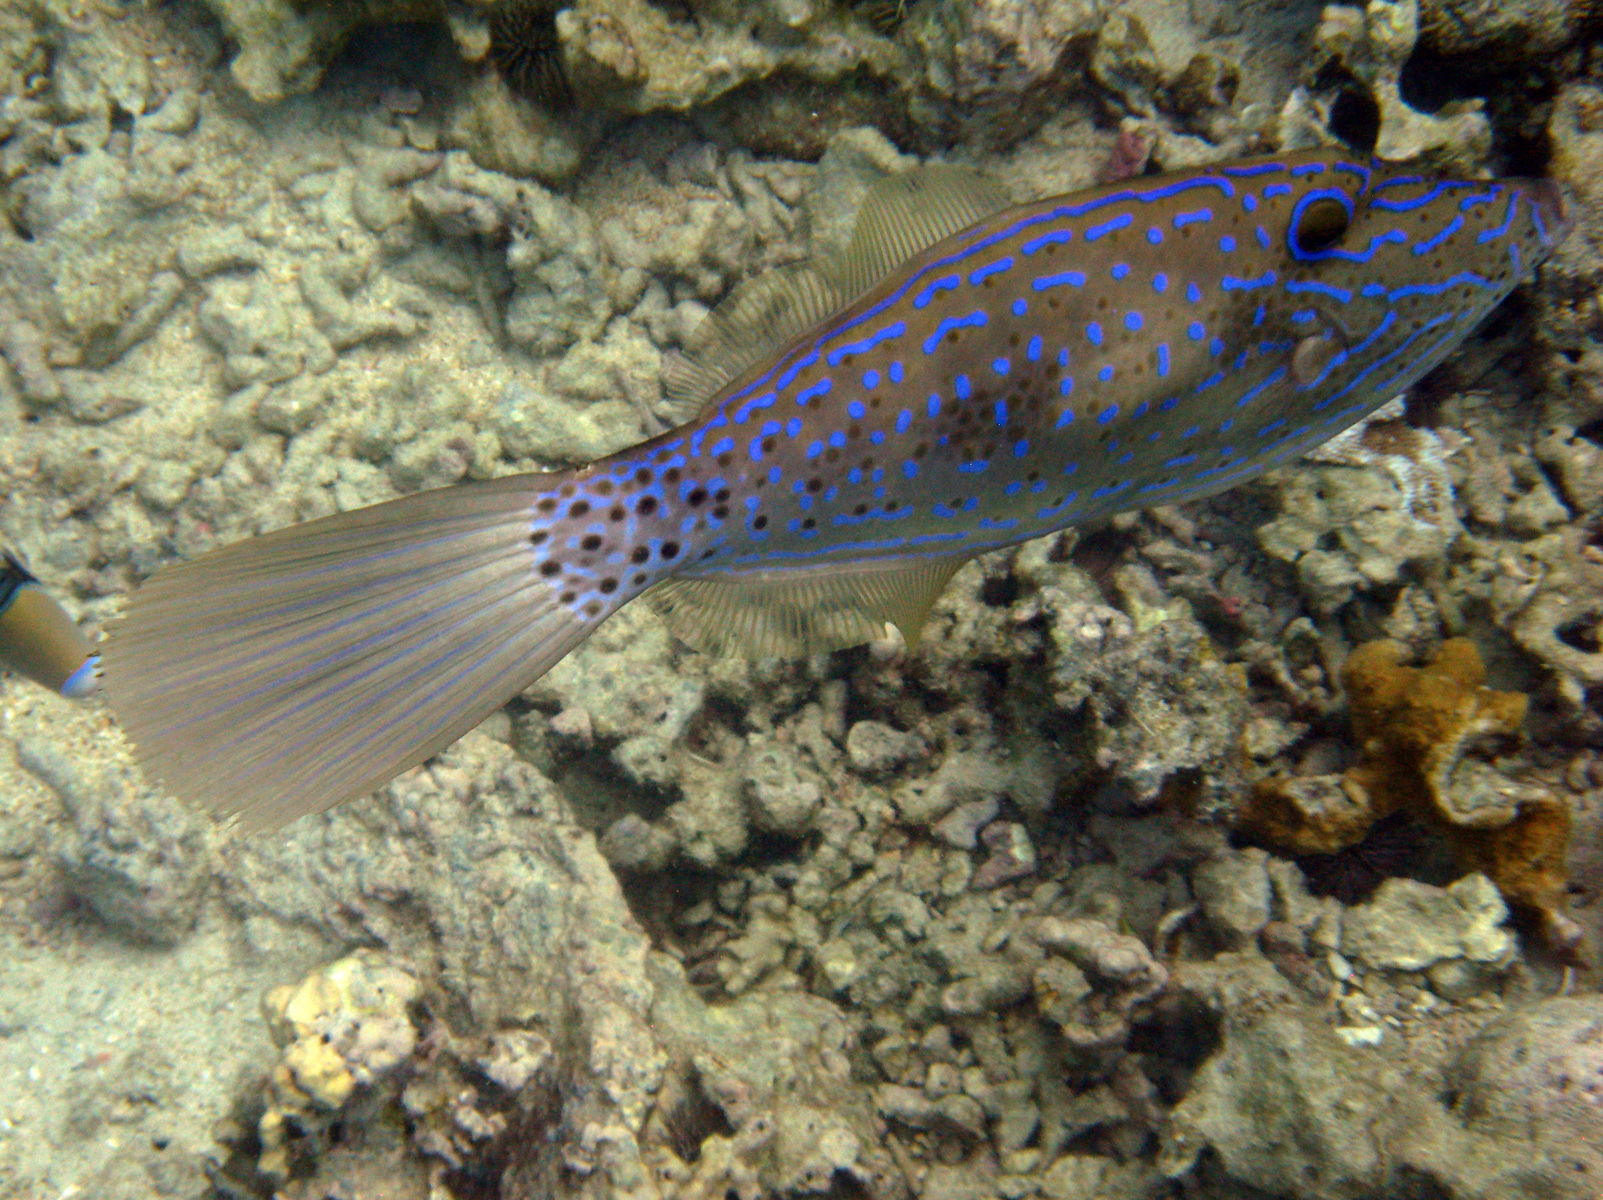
point(843, 1187)
point(999, 591)
point(599, 792)
point(1581, 633)
point(666, 905)
point(1355, 119)
point(228, 1178)
point(1517, 103)
point(1099, 550)
point(497, 1170)
point(1397, 847)
point(1180, 1034)
point(718, 726)
point(659, 898)
point(406, 52)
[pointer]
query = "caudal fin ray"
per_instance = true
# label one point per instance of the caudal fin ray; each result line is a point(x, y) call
point(284, 674)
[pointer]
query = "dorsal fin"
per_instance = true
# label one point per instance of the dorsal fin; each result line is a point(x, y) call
point(904, 214)
point(793, 613)
point(754, 321)
point(901, 215)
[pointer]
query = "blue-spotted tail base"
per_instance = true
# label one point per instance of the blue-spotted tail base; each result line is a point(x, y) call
point(289, 672)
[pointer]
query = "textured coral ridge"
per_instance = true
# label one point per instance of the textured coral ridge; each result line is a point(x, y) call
point(1427, 738)
point(962, 923)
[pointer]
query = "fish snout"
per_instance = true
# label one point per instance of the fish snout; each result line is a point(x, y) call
point(1555, 210)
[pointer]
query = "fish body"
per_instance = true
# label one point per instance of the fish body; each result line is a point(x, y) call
point(1141, 343)
point(38, 640)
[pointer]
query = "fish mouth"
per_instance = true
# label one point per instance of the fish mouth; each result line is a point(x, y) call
point(1555, 209)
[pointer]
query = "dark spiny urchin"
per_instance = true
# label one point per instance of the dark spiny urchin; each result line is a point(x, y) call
point(526, 53)
point(884, 17)
point(1393, 847)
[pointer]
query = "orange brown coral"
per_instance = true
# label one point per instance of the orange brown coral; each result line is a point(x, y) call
point(1426, 735)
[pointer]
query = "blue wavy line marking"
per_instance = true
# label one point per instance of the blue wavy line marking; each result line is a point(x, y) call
point(895, 330)
point(1446, 232)
point(1382, 361)
point(1491, 235)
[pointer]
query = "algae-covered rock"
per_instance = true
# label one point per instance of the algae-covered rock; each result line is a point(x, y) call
point(1410, 926)
point(556, 266)
point(1535, 1078)
point(1234, 892)
point(504, 133)
point(1518, 29)
point(1290, 1109)
point(874, 747)
point(1163, 711)
point(784, 1119)
point(1284, 1104)
point(1100, 983)
point(343, 1027)
point(1348, 531)
point(1374, 42)
point(137, 861)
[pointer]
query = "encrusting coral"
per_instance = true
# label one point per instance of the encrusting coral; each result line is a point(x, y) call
point(343, 1027)
point(1425, 735)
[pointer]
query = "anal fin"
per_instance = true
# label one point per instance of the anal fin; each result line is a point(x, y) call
point(797, 612)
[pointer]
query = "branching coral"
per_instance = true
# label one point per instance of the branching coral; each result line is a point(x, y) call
point(1426, 736)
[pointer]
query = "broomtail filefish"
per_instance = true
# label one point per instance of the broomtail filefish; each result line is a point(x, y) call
point(38, 640)
point(968, 376)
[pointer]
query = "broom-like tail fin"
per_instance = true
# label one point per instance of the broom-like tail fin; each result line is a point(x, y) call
point(284, 674)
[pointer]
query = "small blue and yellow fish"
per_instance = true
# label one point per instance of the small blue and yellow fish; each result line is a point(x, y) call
point(38, 640)
point(967, 376)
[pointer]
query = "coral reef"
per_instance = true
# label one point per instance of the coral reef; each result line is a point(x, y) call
point(1522, 30)
point(1540, 1071)
point(990, 69)
point(137, 863)
point(1348, 527)
point(1373, 42)
point(955, 921)
point(1292, 1110)
point(1428, 737)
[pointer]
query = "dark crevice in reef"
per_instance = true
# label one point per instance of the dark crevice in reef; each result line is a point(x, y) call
point(1518, 100)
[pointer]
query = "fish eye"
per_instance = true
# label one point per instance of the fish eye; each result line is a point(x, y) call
point(1319, 223)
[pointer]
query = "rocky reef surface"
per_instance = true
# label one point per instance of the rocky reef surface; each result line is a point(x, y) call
point(1248, 848)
